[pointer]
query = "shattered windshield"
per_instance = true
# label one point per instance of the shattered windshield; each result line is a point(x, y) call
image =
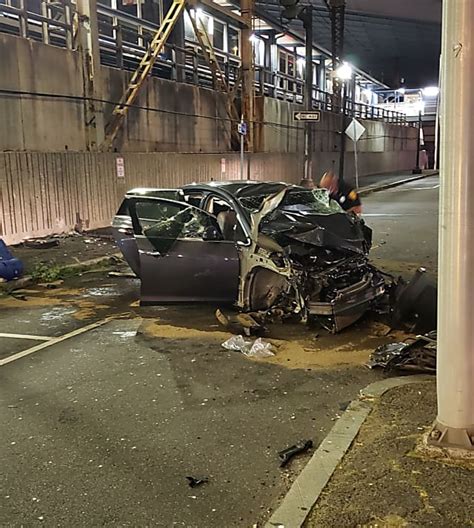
point(165, 222)
point(312, 201)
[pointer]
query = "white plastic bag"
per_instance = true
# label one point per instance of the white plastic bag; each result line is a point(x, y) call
point(258, 349)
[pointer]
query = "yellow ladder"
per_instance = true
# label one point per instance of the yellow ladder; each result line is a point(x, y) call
point(142, 72)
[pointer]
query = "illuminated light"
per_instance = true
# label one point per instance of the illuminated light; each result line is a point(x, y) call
point(344, 71)
point(368, 93)
point(430, 91)
point(401, 91)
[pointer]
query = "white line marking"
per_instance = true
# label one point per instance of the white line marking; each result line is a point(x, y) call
point(54, 341)
point(25, 336)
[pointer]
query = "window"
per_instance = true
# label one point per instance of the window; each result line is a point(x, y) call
point(218, 35)
point(151, 11)
point(127, 6)
point(233, 41)
point(188, 27)
point(152, 212)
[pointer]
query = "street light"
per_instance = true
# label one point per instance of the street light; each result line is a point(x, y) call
point(430, 91)
point(344, 71)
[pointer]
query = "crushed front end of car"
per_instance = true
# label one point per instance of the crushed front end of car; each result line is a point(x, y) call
point(307, 257)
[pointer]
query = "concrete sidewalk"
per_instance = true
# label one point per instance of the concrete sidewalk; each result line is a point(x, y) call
point(385, 480)
point(380, 182)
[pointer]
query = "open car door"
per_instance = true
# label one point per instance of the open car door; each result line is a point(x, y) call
point(182, 255)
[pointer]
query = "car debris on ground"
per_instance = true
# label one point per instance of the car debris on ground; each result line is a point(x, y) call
point(194, 482)
point(287, 454)
point(412, 355)
point(256, 349)
point(41, 243)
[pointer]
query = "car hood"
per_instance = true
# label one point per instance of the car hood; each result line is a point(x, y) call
point(293, 227)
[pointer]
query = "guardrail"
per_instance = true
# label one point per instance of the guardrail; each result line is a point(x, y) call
point(123, 39)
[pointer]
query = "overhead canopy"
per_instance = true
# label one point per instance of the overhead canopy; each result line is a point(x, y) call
point(390, 39)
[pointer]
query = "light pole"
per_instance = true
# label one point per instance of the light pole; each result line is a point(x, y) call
point(454, 426)
point(343, 74)
point(308, 129)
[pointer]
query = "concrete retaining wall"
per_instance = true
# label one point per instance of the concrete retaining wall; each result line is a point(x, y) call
point(187, 118)
point(383, 147)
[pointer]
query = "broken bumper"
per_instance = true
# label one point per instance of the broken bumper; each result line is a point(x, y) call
point(349, 305)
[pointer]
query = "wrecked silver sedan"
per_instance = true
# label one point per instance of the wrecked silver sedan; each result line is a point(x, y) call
point(271, 248)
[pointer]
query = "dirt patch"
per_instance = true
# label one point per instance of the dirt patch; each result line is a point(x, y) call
point(295, 346)
point(380, 482)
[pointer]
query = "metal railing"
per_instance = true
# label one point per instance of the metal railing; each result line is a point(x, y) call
point(123, 39)
point(42, 20)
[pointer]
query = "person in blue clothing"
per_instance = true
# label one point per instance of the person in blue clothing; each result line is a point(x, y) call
point(343, 193)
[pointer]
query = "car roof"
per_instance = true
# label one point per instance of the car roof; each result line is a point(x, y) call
point(237, 188)
point(243, 187)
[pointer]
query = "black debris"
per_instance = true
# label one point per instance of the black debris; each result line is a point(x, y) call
point(42, 244)
point(195, 482)
point(344, 405)
point(411, 355)
point(287, 454)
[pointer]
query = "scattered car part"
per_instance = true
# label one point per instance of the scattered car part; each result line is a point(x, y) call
point(194, 482)
point(411, 355)
point(415, 303)
point(245, 323)
point(287, 454)
point(45, 243)
point(10, 267)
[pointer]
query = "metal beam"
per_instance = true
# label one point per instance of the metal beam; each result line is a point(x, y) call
point(248, 71)
point(224, 10)
point(88, 35)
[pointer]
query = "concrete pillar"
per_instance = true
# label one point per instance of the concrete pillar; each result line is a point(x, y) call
point(246, 52)
point(454, 425)
point(89, 47)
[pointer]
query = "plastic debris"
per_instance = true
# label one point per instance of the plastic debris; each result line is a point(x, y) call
point(261, 349)
point(287, 454)
point(258, 349)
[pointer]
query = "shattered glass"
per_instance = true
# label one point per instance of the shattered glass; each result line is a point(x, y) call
point(187, 223)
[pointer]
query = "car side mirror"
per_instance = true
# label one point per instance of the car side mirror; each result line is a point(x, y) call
point(212, 233)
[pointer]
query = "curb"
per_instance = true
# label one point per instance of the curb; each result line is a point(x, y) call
point(309, 484)
point(365, 191)
point(27, 280)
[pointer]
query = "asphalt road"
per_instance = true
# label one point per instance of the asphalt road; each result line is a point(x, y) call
point(405, 226)
point(104, 428)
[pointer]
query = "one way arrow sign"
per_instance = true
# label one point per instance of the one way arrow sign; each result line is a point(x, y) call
point(314, 116)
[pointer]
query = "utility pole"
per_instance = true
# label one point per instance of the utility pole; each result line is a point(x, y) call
point(454, 426)
point(337, 11)
point(248, 89)
point(417, 169)
point(308, 129)
point(88, 32)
